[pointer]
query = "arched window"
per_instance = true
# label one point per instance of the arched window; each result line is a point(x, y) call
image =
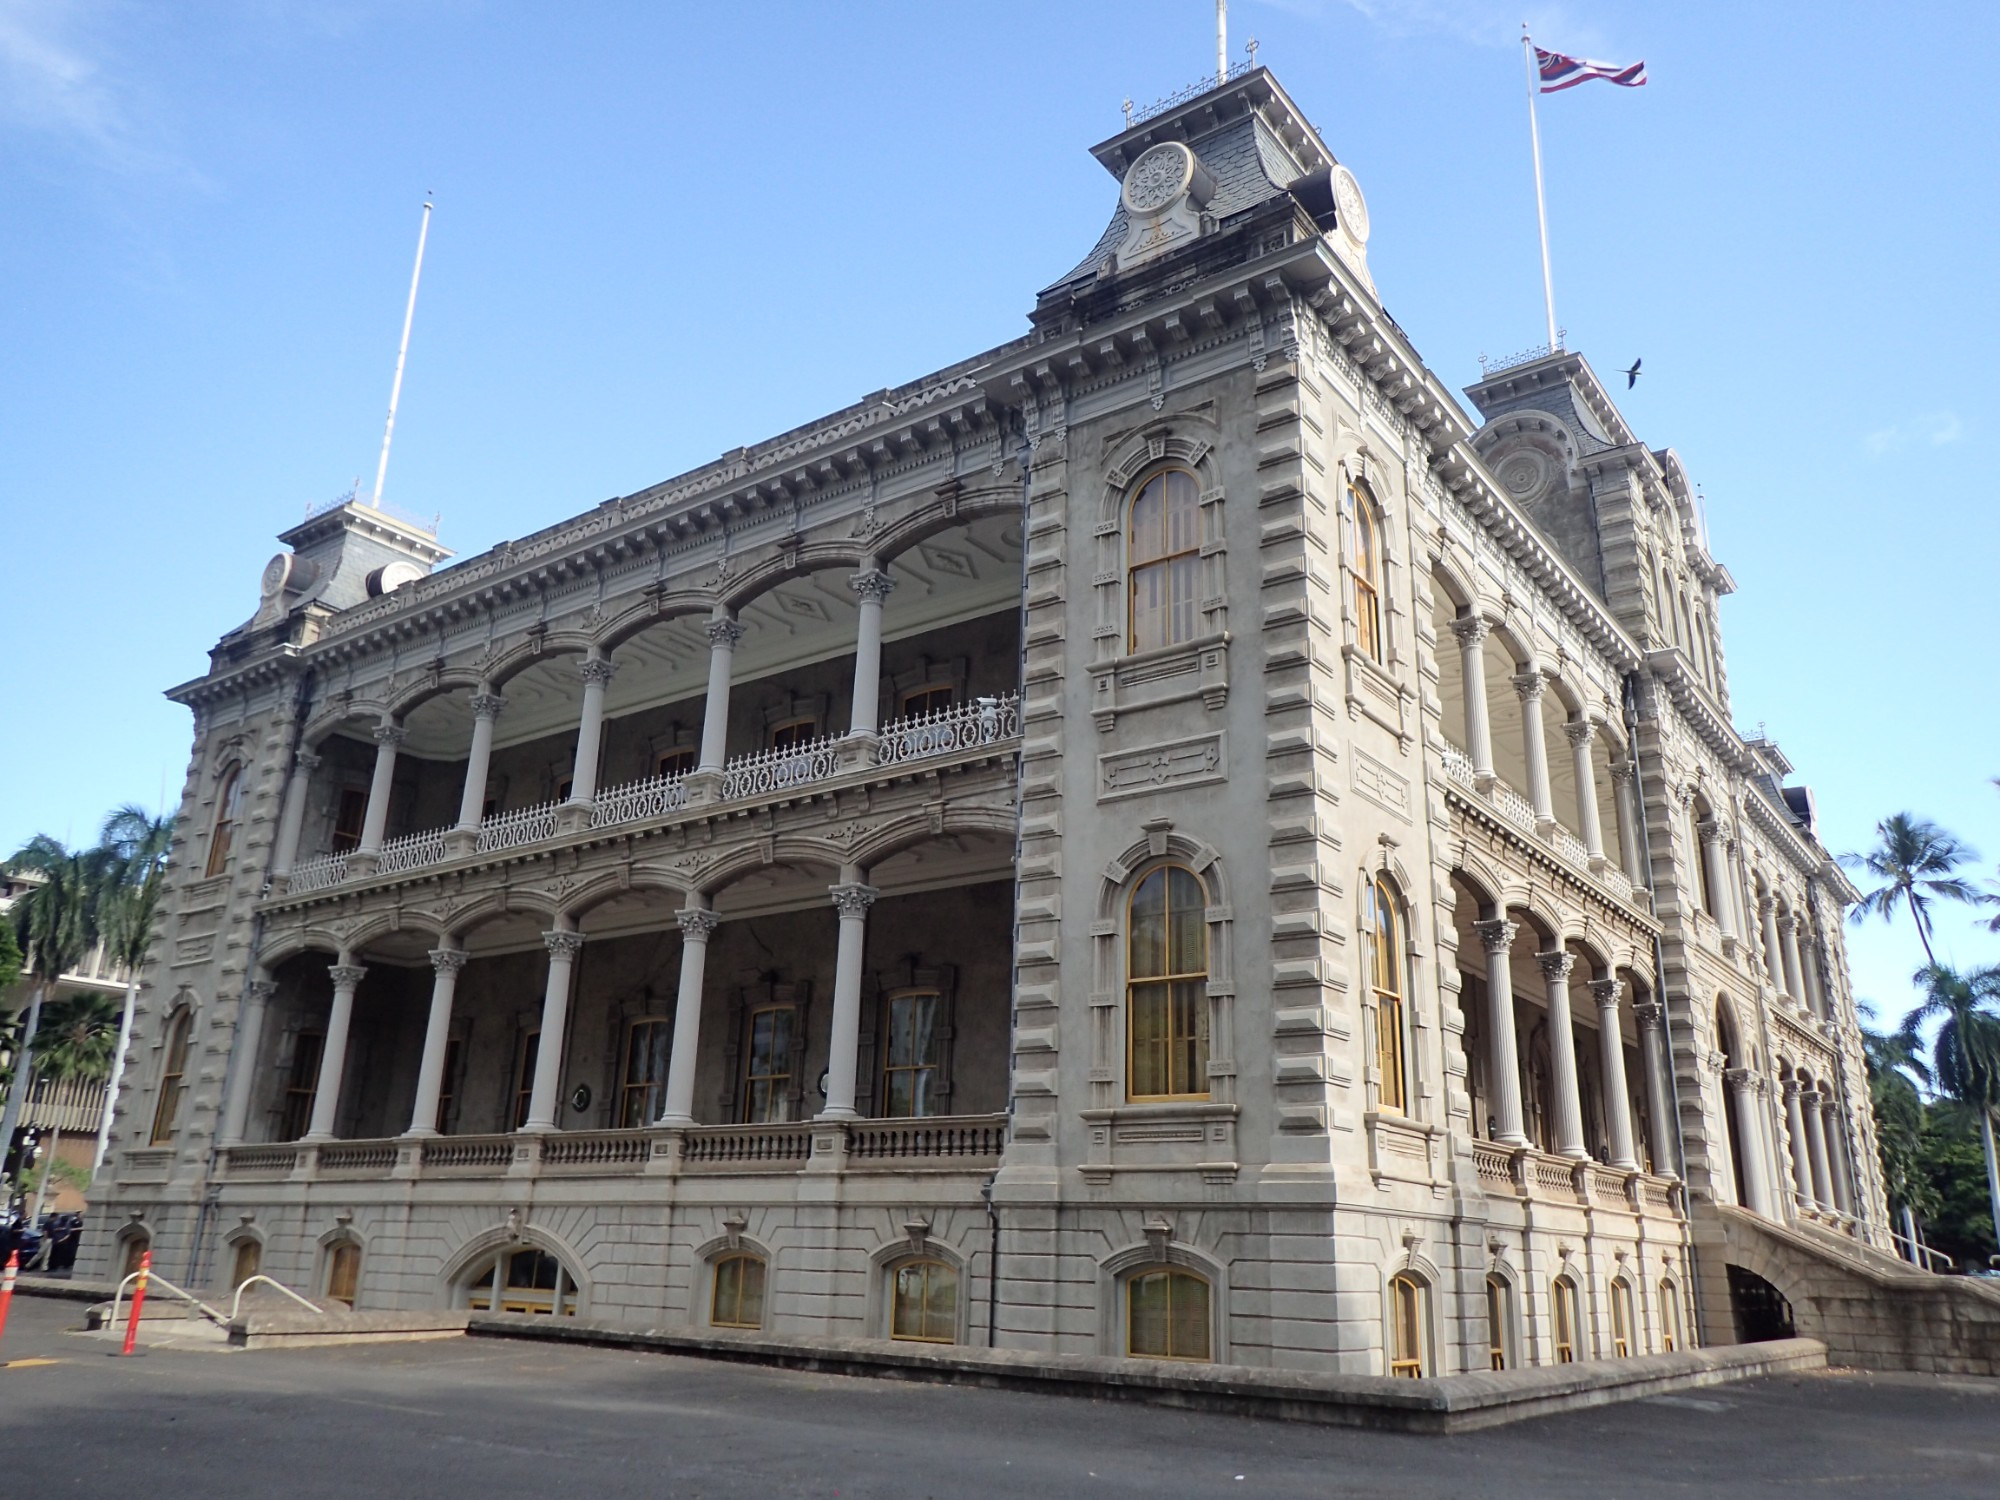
point(1388, 968)
point(1163, 561)
point(343, 1273)
point(1621, 1319)
point(136, 1246)
point(1365, 531)
point(1167, 1315)
point(1406, 1326)
point(1670, 1317)
point(173, 1079)
point(923, 1302)
point(1563, 1314)
point(248, 1261)
point(228, 804)
point(738, 1299)
point(1500, 1322)
point(523, 1280)
point(1166, 1005)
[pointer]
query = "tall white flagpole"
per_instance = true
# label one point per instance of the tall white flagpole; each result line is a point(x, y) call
point(1541, 203)
point(402, 354)
point(1221, 42)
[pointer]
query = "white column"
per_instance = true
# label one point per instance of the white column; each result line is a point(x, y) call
point(1795, 1131)
point(388, 735)
point(1822, 1177)
point(596, 673)
point(543, 1100)
point(1788, 947)
point(292, 818)
point(1652, 1019)
point(1611, 1049)
point(851, 899)
point(249, 1039)
point(1839, 1162)
point(1472, 632)
point(723, 634)
point(445, 965)
point(1591, 827)
point(1504, 1053)
point(347, 977)
point(1815, 995)
point(697, 926)
point(1746, 1105)
point(1716, 868)
point(1767, 909)
point(1624, 783)
point(871, 586)
point(486, 706)
point(1568, 1123)
point(1534, 743)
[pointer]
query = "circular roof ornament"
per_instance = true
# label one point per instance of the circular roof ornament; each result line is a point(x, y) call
point(277, 572)
point(392, 576)
point(1351, 206)
point(1160, 177)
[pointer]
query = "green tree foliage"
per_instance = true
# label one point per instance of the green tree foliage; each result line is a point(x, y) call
point(10, 957)
point(1951, 1162)
point(1895, 1068)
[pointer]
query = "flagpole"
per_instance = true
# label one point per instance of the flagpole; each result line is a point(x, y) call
point(402, 354)
point(1541, 203)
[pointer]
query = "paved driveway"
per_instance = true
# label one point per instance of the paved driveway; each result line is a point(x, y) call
point(489, 1418)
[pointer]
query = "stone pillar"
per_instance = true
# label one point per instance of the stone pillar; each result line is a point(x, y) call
point(596, 672)
point(1567, 1127)
point(1472, 632)
point(1788, 949)
point(1745, 1106)
point(1738, 885)
point(445, 966)
point(347, 977)
point(1590, 828)
point(388, 735)
point(1504, 1053)
point(1795, 1130)
point(1815, 995)
point(1716, 868)
point(1839, 1162)
point(1617, 1097)
point(544, 1100)
point(723, 634)
point(1624, 787)
point(697, 925)
point(871, 586)
point(1822, 1177)
point(1534, 744)
point(851, 899)
point(1660, 1097)
point(292, 818)
point(257, 995)
point(1767, 910)
point(486, 708)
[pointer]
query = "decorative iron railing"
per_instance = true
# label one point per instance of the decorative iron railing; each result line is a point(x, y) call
point(411, 852)
point(639, 801)
point(524, 825)
point(762, 773)
point(317, 874)
point(962, 726)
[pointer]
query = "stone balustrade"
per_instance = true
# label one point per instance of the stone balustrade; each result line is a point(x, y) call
point(1523, 1172)
point(1520, 813)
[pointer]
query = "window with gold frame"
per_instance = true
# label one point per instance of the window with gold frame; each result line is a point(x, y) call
point(642, 1088)
point(301, 1085)
point(1563, 1319)
point(1163, 561)
point(136, 1246)
point(247, 1261)
point(523, 1280)
point(737, 1299)
point(923, 1302)
point(1388, 969)
point(1168, 1316)
point(1365, 533)
point(228, 807)
point(912, 1053)
point(1406, 1326)
point(1670, 1318)
point(343, 1273)
point(769, 1032)
point(1499, 1321)
point(1166, 1006)
point(173, 1079)
point(1621, 1319)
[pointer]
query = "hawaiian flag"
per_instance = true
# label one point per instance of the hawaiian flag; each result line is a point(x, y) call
point(1559, 72)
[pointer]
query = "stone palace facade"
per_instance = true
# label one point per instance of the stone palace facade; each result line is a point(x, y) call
point(1173, 837)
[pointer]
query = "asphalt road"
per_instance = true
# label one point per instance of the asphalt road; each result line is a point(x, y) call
point(490, 1418)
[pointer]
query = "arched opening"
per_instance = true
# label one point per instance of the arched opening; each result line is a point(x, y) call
point(1500, 1323)
point(1365, 563)
point(1732, 1058)
point(1163, 561)
point(228, 809)
point(1761, 1312)
point(1168, 1314)
point(173, 1078)
point(1623, 1327)
point(1408, 1326)
point(1565, 1319)
point(523, 1279)
point(342, 1282)
point(1670, 1316)
point(1382, 925)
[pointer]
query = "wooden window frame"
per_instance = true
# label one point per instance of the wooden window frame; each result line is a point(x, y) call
point(1173, 1276)
point(930, 1266)
point(1564, 1320)
point(527, 1052)
point(173, 1078)
point(343, 1269)
point(803, 730)
point(1366, 564)
point(789, 1061)
point(346, 838)
point(248, 1246)
point(1670, 1316)
point(938, 1067)
point(1622, 1321)
point(744, 1260)
point(1137, 566)
point(649, 1109)
point(1407, 1326)
point(228, 811)
point(301, 1084)
point(490, 1290)
point(1389, 966)
point(675, 762)
point(1499, 1321)
point(1167, 982)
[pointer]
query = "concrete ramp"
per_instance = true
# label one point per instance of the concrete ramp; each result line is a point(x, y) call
point(1869, 1309)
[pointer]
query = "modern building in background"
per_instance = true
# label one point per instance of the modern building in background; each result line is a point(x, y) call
point(1172, 837)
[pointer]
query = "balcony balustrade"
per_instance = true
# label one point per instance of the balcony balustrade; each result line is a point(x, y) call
point(1520, 812)
point(1523, 1172)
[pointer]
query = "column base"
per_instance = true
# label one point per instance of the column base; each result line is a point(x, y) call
point(574, 817)
point(415, 1134)
point(704, 788)
point(362, 862)
point(459, 842)
point(836, 1114)
point(857, 749)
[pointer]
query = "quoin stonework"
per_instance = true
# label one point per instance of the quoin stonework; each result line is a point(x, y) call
point(1176, 836)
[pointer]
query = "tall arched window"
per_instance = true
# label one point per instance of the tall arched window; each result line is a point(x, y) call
point(1670, 1318)
point(1622, 1322)
point(1406, 1326)
point(1365, 531)
point(738, 1299)
point(1388, 970)
point(1167, 1315)
point(1499, 1322)
point(173, 1079)
point(227, 804)
point(1163, 561)
point(1563, 1315)
point(1166, 993)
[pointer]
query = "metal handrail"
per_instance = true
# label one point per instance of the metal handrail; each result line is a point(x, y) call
point(153, 1279)
point(236, 1305)
point(1929, 1256)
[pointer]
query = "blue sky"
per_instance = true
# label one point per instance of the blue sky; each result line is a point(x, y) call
point(665, 230)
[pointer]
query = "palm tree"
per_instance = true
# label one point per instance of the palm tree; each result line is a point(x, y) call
point(136, 845)
point(55, 922)
point(1965, 1053)
point(1895, 1070)
point(1914, 859)
point(80, 1034)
